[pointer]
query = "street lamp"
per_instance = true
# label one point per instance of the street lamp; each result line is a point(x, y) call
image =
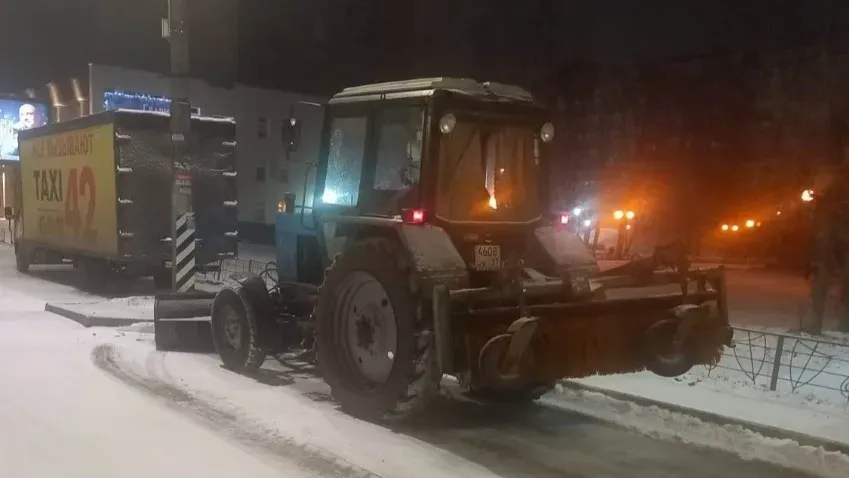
point(630, 215)
point(618, 215)
point(750, 223)
point(725, 227)
point(808, 195)
point(735, 228)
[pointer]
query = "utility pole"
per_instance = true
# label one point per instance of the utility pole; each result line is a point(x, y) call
point(182, 223)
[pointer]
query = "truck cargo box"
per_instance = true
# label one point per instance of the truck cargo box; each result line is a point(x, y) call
point(100, 186)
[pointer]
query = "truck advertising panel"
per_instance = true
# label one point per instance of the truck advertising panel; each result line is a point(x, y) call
point(68, 190)
point(15, 116)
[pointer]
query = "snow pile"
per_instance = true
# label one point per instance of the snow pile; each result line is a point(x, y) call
point(813, 372)
point(139, 328)
point(660, 423)
point(134, 302)
point(811, 395)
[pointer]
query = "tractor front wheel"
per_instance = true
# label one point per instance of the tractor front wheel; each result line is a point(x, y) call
point(374, 333)
point(235, 332)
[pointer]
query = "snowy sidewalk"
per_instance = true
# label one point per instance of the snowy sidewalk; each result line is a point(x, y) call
point(805, 424)
point(801, 393)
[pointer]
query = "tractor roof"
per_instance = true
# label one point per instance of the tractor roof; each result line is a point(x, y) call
point(428, 86)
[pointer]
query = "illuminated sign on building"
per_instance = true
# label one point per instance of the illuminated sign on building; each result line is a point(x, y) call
point(116, 99)
point(15, 116)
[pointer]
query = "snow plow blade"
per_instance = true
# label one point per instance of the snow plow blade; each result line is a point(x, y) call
point(181, 321)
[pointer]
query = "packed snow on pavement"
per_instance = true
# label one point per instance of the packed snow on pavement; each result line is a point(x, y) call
point(289, 404)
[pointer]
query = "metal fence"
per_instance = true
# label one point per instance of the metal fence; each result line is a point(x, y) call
point(784, 362)
point(226, 271)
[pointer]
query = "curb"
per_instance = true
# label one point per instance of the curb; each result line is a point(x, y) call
point(765, 430)
point(87, 320)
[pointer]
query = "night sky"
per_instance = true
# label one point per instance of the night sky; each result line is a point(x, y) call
point(321, 45)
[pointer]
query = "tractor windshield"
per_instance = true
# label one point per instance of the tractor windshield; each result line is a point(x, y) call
point(488, 172)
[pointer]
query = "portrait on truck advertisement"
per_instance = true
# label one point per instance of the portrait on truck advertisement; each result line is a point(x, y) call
point(16, 116)
point(68, 188)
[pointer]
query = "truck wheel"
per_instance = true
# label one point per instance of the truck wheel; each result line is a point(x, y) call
point(22, 258)
point(374, 334)
point(235, 332)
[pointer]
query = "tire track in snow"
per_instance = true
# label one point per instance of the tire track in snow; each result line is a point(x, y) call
point(318, 462)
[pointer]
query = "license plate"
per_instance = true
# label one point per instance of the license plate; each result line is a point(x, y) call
point(487, 257)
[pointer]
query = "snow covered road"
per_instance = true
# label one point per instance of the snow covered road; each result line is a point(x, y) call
point(287, 409)
point(103, 403)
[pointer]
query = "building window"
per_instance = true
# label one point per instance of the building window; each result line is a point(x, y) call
point(262, 126)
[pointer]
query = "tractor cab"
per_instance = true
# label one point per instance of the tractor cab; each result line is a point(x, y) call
point(467, 157)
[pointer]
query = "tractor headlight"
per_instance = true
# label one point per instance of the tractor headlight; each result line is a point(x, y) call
point(447, 123)
point(546, 133)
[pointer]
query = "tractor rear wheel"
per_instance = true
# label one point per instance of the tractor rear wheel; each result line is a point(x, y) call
point(235, 332)
point(374, 333)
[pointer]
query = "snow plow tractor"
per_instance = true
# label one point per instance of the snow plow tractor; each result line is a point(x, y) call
point(426, 249)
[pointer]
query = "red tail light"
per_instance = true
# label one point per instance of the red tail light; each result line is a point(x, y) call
point(414, 216)
point(563, 219)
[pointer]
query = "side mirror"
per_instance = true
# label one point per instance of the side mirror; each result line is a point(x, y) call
point(8, 213)
point(292, 134)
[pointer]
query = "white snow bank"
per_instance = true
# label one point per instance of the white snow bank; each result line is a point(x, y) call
point(138, 327)
point(142, 301)
point(811, 393)
point(661, 423)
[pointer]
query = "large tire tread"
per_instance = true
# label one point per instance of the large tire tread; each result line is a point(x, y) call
point(250, 357)
point(423, 381)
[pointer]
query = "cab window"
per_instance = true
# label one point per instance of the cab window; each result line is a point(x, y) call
point(345, 160)
point(399, 150)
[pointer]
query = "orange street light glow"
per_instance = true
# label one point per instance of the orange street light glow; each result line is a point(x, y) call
point(808, 195)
